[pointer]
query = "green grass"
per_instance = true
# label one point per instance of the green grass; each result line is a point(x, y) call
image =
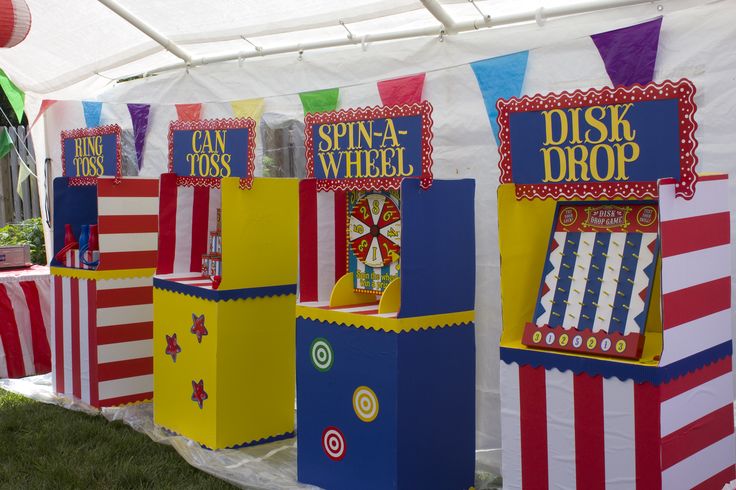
point(45, 446)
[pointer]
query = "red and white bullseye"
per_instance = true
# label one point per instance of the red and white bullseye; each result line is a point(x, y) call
point(333, 443)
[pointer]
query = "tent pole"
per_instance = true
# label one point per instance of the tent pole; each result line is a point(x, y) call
point(438, 12)
point(146, 29)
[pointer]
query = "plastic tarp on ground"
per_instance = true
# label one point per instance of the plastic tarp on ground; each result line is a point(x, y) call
point(698, 43)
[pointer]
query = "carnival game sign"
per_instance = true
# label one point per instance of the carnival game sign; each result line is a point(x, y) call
point(90, 153)
point(600, 143)
point(370, 148)
point(202, 152)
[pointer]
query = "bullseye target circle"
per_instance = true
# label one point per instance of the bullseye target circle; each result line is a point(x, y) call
point(365, 404)
point(333, 443)
point(375, 230)
point(321, 354)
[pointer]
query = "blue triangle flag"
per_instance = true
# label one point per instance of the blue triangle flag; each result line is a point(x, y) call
point(92, 113)
point(500, 77)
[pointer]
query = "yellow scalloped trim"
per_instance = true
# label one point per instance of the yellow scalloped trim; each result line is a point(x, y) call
point(130, 404)
point(386, 324)
point(101, 275)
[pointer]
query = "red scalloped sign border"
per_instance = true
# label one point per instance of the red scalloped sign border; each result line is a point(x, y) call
point(423, 109)
point(683, 90)
point(210, 124)
point(113, 129)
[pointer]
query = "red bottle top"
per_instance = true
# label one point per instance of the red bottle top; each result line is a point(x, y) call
point(93, 241)
point(68, 235)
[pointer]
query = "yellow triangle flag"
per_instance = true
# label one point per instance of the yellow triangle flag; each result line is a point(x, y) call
point(248, 108)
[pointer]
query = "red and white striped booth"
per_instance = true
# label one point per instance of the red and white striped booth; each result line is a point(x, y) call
point(667, 421)
point(103, 318)
point(24, 322)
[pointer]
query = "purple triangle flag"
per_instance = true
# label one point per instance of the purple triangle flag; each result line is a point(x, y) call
point(139, 116)
point(630, 53)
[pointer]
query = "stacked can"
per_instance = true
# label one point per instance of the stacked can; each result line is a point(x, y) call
point(212, 260)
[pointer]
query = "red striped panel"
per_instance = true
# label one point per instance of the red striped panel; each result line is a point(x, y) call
point(125, 369)
point(717, 481)
point(167, 224)
point(10, 337)
point(697, 378)
point(366, 312)
point(688, 304)
point(533, 420)
point(341, 239)
point(358, 305)
point(108, 298)
point(141, 259)
point(76, 348)
point(39, 338)
point(92, 335)
point(127, 188)
point(200, 227)
point(308, 253)
point(124, 333)
point(144, 223)
point(59, 334)
point(590, 469)
point(122, 400)
point(696, 436)
point(646, 436)
point(696, 233)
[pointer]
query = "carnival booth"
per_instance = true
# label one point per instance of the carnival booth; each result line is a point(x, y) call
point(615, 284)
point(386, 348)
point(224, 292)
point(105, 241)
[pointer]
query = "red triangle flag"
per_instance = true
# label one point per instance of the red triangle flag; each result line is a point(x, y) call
point(404, 90)
point(45, 104)
point(188, 112)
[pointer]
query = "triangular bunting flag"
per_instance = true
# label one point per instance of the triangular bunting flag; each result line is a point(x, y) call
point(6, 144)
point(23, 173)
point(45, 104)
point(188, 112)
point(92, 113)
point(15, 96)
point(500, 78)
point(320, 100)
point(404, 90)
point(139, 115)
point(252, 108)
point(630, 53)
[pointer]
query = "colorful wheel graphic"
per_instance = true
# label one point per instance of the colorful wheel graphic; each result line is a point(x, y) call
point(365, 404)
point(333, 443)
point(375, 230)
point(321, 354)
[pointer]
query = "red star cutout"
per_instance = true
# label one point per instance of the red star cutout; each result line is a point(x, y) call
point(198, 393)
point(172, 347)
point(198, 327)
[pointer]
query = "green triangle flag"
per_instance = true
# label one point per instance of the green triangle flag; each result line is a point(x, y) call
point(23, 173)
point(15, 96)
point(5, 143)
point(320, 100)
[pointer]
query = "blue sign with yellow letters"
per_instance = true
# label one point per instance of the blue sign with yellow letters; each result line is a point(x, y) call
point(369, 148)
point(212, 148)
point(91, 153)
point(599, 142)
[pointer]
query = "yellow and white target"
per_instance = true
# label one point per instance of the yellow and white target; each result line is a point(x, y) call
point(365, 404)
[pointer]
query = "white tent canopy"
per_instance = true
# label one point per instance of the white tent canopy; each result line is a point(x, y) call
point(81, 41)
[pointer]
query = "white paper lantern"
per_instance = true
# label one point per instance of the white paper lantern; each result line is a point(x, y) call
point(15, 22)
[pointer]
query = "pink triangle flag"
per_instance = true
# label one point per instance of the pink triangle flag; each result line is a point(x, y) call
point(45, 104)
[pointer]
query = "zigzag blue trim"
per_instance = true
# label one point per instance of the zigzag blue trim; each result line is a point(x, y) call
point(223, 295)
point(611, 369)
point(265, 440)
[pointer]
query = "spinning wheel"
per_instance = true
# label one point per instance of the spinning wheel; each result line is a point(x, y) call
point(375, 230)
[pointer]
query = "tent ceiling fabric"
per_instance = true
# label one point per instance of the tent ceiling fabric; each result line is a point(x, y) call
point(77, 40)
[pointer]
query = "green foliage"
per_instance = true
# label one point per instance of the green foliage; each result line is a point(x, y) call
point(45, 446)
point(29, 231)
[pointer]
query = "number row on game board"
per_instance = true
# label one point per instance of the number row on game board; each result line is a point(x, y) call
point(583, 341)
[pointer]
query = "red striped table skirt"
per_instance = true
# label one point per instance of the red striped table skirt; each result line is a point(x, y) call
point(24, 322)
